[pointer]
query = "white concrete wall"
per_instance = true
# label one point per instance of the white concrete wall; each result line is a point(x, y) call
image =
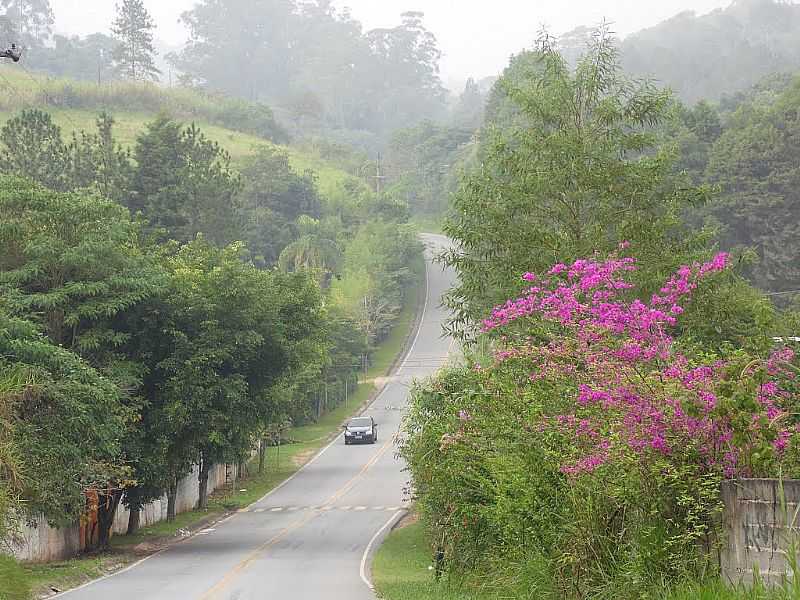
point(38, 542)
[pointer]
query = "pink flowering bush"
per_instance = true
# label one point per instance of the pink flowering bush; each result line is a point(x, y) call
point(635, 392)
point(589, 444)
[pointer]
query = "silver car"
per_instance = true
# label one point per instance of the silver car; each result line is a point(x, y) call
point(361, 430)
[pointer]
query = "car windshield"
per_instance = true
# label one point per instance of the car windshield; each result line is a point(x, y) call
point(362, 422)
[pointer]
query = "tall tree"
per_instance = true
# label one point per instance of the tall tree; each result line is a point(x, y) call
point(568, 168)
point(183, 182)
point(134, 56)
point(34, 149)
point(273, 198)
point(71, 262)
point(96, 160)
point(30, 21)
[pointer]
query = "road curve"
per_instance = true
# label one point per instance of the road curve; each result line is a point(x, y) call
point(310, 538)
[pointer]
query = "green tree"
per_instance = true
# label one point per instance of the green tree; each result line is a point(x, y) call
point(134, 55)
point(273, 197)
point(754, 161)
point(568, 168)
point(183, 182)
point(66, 430)
point(213, 346)
point(34, 149)
point(96, 160)
point(71, 262)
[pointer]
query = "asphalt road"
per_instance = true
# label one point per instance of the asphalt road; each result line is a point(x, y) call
point(311, 538)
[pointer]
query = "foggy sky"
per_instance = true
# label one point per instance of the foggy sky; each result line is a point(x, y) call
point(477, 36)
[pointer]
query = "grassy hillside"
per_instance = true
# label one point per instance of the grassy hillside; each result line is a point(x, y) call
point(236, 125)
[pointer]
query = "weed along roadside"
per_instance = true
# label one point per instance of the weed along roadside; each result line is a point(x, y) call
point(297, 447)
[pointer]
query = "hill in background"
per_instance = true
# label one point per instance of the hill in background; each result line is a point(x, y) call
point(718, 54)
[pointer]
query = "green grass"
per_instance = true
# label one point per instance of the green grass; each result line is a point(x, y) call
point(402, 570)
point(133, 110)
point(716, 590)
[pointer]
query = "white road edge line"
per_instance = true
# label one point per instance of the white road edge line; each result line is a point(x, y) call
point(368, 550)
point(93, 581)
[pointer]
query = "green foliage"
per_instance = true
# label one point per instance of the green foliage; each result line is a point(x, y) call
point(273, 197)
point(376, 271)
point(133, 30)
point(213, 347)
point(13, 381)
point(569, 167)
point(98, 161)
point(70, 262)
point(184, 183)
point(754, 162)
point(491, 492)
point(13, 584)
point(67, 423)
point(34, 149)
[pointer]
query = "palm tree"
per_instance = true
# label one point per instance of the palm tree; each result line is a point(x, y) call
point(311, 252)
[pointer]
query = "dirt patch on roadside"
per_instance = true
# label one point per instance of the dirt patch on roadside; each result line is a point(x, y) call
point(302, 458)
point(409, 519)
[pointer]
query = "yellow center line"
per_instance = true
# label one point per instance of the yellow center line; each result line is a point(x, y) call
point(232, 574)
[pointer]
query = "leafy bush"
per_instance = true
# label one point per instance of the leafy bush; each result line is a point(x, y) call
point(590, 447)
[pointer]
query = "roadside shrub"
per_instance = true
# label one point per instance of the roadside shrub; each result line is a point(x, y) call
point(592, 442)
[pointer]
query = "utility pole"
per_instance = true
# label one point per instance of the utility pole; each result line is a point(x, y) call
point(378, 177)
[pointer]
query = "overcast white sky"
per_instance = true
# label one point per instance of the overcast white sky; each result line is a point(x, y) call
point(477, 36)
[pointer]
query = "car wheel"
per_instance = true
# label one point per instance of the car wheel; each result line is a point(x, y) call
point(347, 442)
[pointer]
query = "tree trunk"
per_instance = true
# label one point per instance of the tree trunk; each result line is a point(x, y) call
point(202, 495)
point(133, 520)
point(242, 469)
point(106, 510)
point(172, 493)
point(262, 455)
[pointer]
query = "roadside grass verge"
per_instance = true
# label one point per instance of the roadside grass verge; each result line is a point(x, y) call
point(401, 570)
point(280, 463)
